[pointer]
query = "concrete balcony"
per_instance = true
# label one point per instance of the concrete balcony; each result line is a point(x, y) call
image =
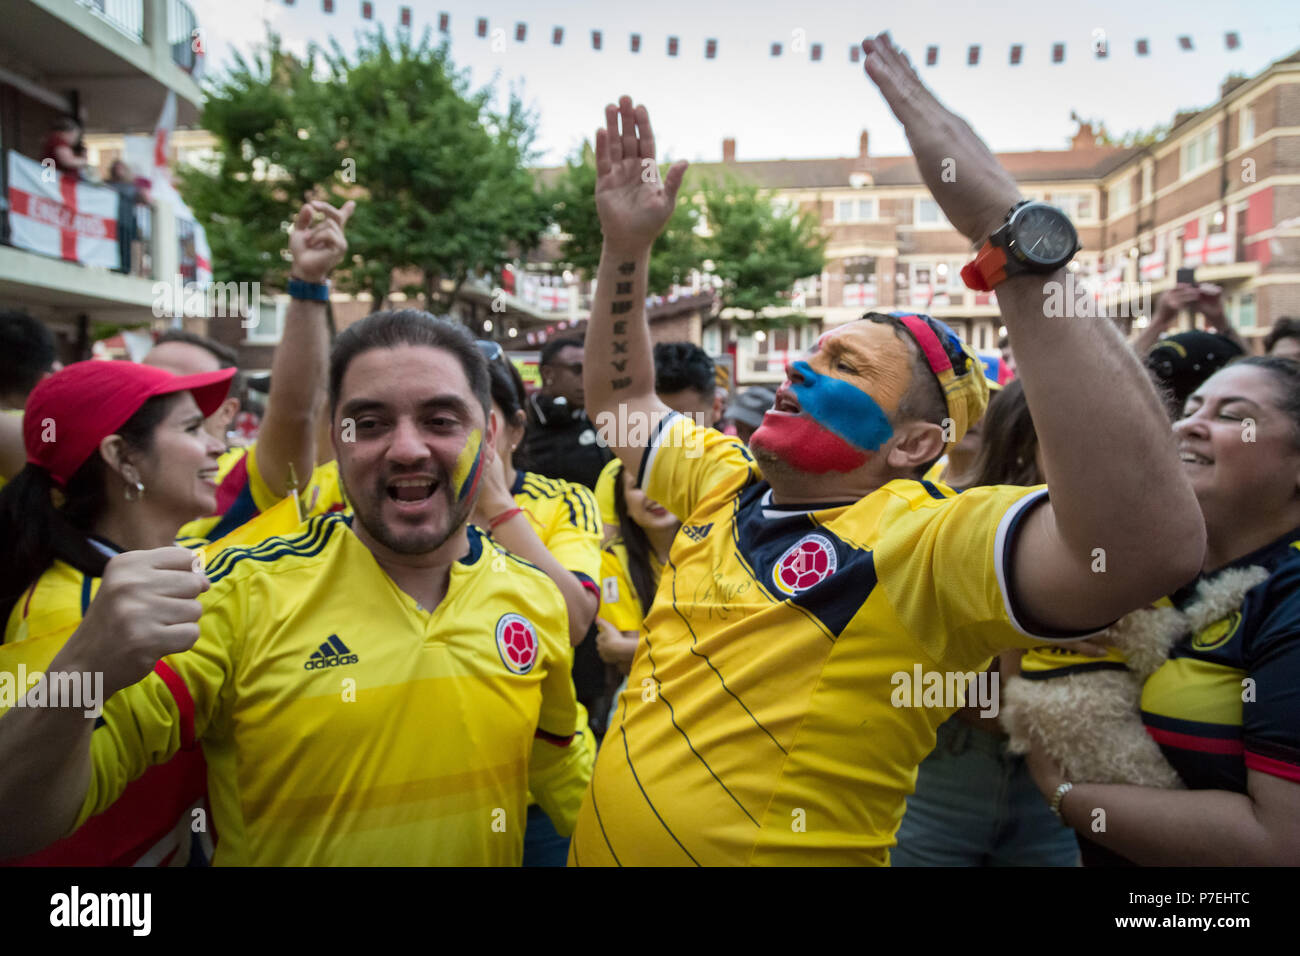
point(115, 60)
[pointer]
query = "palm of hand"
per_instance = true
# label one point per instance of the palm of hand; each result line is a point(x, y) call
point(631, 200)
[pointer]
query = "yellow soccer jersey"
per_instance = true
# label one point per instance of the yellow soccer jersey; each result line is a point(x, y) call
point(565, 517)
point(759, 725)
point(345, 725)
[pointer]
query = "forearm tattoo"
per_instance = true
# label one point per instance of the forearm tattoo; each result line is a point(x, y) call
point(620, 342)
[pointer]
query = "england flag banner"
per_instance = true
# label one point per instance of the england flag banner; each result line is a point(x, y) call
point(58, 215)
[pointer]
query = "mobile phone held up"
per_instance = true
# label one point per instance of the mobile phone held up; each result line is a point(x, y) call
point(1187, 277)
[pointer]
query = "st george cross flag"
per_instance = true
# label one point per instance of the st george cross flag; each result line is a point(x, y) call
point(62, 217)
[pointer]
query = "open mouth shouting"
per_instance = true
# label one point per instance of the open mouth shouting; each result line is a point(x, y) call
point(786, 403)
point(412, 494)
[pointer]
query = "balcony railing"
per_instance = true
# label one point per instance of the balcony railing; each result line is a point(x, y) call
point(125, 16)
point(181, 24)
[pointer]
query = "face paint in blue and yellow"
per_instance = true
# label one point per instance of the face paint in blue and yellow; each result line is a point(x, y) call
point(834, 411)
point(469, 466)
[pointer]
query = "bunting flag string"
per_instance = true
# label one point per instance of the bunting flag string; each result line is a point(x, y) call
point(798, 46)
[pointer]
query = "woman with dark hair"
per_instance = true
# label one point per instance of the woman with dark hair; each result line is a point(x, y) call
point(117, 460)
point(1225, 706)
point(975, 803)
point(555, 524)
point(630, 567)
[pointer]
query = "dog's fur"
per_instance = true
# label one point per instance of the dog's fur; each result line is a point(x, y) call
point(1090, 723)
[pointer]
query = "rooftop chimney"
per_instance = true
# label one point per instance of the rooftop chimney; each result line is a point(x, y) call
point(728, 150)
point(862, 146)
point(1085, 138)
point(1230, 83)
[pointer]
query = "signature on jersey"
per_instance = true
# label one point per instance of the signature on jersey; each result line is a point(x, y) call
point(716, 595)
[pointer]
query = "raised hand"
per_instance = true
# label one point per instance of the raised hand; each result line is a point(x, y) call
point(145, 609)
point(318, 248)
point(632, 203)
point(967, 182)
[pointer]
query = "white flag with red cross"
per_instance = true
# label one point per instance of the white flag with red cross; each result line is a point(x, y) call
point(58, 215)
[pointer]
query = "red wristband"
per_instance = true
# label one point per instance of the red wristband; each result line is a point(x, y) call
point(503, 517)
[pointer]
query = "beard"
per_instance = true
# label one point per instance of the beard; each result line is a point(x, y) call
point(402, 539)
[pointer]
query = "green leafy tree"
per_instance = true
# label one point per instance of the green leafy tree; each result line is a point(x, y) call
point(572, 202)
point(441, 179)
point(758, 250)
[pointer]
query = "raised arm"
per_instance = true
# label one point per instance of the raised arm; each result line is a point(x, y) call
point(288, 432)
point(618, 367)
point(1119, 499)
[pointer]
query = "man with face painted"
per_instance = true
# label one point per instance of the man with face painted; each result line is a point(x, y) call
point(823, 607)
point(383, 688)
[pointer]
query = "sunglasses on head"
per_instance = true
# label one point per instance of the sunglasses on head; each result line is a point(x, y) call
point(491, 350)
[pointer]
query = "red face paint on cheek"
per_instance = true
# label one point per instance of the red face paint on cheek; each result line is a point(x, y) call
point(806, 445)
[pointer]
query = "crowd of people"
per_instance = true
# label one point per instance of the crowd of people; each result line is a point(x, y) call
point(429, 618)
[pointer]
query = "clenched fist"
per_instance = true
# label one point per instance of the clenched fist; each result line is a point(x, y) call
point(145, 609)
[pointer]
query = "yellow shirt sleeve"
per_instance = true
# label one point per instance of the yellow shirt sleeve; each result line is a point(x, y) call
point(684, 462)
point(605, 491)
point(147, 723)
point(263, 497)
point(947, 571)
point(575, 533)
point(563, 751)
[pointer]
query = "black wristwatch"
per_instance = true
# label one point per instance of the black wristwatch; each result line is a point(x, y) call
point(1036, 238)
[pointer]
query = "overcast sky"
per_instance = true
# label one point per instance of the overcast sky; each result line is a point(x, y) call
point(791, 107)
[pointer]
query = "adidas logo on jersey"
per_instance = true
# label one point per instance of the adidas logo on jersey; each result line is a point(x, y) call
point(697, 532)
point(333, 653)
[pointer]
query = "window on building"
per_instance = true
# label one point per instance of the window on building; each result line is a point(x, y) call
point(1148, 180)
point(1247, 125)
point(928, 213)
point(1246, 310)
point(1077, 206)
point(1199, 152)
point(855, 210)
point(1120, 196)
point(269, 323)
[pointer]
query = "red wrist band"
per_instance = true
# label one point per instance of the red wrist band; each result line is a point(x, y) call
point(503, 517)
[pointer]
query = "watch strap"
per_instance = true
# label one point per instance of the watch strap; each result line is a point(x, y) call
point(987, 269)
point(313, 291)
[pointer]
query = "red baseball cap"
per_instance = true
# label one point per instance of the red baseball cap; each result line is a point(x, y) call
point(70, 412)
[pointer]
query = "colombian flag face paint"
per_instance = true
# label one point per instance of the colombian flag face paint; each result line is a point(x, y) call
point(469, 466)
point(847, 390)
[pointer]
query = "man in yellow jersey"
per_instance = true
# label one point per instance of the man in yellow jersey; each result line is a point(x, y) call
point(815, 624)
point(383, 688)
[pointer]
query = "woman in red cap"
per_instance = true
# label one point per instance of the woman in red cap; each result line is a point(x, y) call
point(117, 460)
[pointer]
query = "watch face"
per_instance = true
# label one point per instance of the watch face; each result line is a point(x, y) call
point(1044, 235)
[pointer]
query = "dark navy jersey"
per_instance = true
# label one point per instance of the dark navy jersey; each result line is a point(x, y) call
point(1228, 698)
